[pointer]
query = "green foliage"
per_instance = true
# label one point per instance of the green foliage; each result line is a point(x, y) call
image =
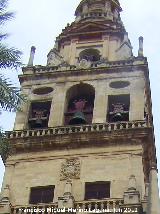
point(10, 58)
point(10, 99)
point(5, 147)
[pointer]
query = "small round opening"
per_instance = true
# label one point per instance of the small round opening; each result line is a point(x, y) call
point(43, 90)
point(119, 84)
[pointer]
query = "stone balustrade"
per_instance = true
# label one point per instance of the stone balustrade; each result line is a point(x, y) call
point(108, 64)
point(101, 127)
point(104, 206)
point(34, 209)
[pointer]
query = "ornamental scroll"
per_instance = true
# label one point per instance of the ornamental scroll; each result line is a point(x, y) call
point(70, 169)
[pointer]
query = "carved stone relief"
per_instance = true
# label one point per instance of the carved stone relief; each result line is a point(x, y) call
point(70, 169)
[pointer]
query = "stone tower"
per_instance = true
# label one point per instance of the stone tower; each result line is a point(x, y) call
point(84, 139)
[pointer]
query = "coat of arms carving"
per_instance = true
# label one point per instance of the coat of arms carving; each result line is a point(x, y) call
point(70, 169)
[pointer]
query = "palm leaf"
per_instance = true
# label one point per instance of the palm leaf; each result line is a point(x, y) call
point(10, 98)
point(9, 57)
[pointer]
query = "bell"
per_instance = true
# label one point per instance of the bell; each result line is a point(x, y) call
point(38, 121)
point(117, 117)
point(78, 118)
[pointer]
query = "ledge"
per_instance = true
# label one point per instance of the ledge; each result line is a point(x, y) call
point(65, 130)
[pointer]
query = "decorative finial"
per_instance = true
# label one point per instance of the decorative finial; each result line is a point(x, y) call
point(132, 183)
point(140, 51)
point(31, 58)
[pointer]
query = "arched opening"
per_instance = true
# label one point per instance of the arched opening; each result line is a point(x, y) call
point(92, 55)
point(79, 104)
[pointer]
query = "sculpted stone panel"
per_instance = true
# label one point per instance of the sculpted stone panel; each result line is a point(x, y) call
point(70, 169)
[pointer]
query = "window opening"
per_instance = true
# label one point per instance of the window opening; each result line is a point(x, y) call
point(39, 114)
point(41, 195)
point(97, 190)
point(118, 108)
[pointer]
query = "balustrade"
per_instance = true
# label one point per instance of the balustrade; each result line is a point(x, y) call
point(103, 127)
point(104, 206)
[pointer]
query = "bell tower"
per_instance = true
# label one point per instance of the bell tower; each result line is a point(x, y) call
point(84, 140)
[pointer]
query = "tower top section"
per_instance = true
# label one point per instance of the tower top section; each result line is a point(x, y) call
point(103, 9)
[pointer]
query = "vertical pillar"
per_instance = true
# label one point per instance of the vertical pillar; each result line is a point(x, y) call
point(153, 198)
point(137, 104)
point(73, 52)
point(100, 103)
point(57, 107)
point(105, 51)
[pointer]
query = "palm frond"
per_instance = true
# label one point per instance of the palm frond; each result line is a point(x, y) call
point(10, 97)
point(5, 147)
point(4, 15)
point(9, 57)
point(3, 36)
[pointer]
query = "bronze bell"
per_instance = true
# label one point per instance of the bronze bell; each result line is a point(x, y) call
point(117, 117)
point(38, 122)
point(78, 118)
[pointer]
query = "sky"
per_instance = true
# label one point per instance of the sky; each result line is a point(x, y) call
point(38, 22)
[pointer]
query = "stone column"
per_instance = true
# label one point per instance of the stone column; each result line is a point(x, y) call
point(73, 52)
point(137, 104)
point(22, 116)
point(105, 51)
point(57, 107)
point(100, 103)
point(153, 198)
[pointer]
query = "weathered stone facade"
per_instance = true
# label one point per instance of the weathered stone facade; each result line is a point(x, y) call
point(88, 120)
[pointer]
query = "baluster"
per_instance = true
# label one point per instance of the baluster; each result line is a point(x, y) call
point(103, 127)
point(64, 131)
point(89, 206)
point(96, 205)
point(109, 127)
point(32, 133)
point(127, 125)
point(59, 131)
point(98, 127)
point(121, 126)
point(83, 206)
point(78, 206)
point(54, 131)
point(115, 126)
point(102, 205)
point(81, 129)
point(92, 128)
point(114, 206)
point(27, 134)
point(133, 125)
point(43, 132)
point(16, 134)
point(70, 130)
point(38, 133)
point(20, 210)
point(86, 129)
point(144, 124)
point(11, 135)
point(139, 125)
point(48, 132)
point(22, 134)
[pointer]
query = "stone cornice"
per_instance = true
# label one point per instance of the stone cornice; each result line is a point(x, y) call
point(31, 73)
point(78, 136)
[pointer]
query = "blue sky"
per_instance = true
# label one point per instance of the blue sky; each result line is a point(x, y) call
point(38, 22)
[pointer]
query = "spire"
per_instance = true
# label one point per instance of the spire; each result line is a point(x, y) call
point(101, 9)
point(31, 58)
